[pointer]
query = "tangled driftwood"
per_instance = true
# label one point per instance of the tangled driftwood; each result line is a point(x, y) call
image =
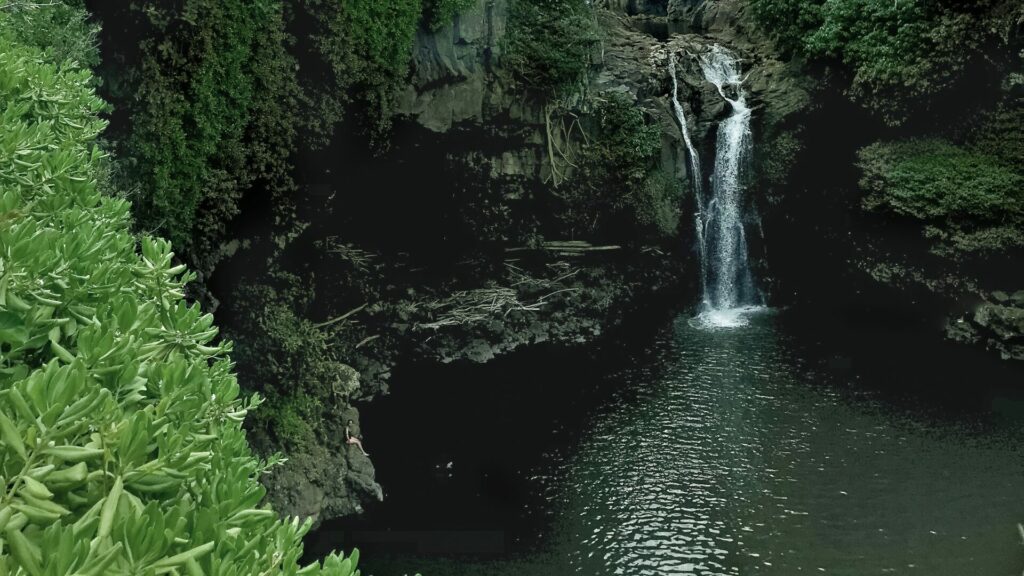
point(469, 306)
point(359, 258)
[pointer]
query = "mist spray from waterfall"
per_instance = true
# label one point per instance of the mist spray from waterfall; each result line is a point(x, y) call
point(727, 284)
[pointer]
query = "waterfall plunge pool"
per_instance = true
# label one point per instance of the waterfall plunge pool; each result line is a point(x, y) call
point(756, 450)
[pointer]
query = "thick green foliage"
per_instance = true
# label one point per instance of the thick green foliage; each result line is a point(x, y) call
point(778, 157)
point(439, 13)
point(61, 29)
point(970, 201)
point(214, 114)
point(616, 183)
point(549, 43)
point(121, 448)
point(1000, 134)
point(217, 102)
point(900, 53)
point(788, 21)
point(366, 46)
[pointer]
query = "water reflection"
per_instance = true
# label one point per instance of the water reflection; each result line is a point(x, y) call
point(743, 451)
point(732, 460)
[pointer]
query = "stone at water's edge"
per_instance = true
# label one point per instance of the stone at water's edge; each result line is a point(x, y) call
point(326, 478)
point(997, 324)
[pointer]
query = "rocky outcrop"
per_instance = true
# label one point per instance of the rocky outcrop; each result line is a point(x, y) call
point(323, 478)
point(587, 301)
point(458, 84)
point(579, 303)
point(454, 71)
point(327, 479)
point(997, 324)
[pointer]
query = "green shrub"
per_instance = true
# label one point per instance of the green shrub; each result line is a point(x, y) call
point(900, 54)
point(617, 190)
point(778, 157)
point(366, 46)
point(213, 114)
point(439, 13)
point(969, 200)
point(62, 30)
point(788, 21)
point(121, 447)
point(999, 135)
point(656, 206)
point(290, 360)
point(549, 43)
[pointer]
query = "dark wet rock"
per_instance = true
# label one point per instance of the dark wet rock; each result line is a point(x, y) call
point(327, 479)
point(453, 71)
point(601, 297)
point(997, 324)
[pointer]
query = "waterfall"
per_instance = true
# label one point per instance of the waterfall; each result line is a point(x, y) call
point(728, 291)
point(695, 174)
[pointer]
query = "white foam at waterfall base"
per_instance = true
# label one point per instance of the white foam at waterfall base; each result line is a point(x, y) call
point(712, 318)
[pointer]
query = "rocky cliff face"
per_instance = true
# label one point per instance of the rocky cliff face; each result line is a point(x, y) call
point(455, 77)
point(458, 84)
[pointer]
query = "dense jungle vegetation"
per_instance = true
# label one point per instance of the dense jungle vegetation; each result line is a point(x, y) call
point(123, 450)
point(944, 82)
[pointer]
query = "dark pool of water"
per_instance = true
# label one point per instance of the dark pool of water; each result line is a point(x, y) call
point(759, 450)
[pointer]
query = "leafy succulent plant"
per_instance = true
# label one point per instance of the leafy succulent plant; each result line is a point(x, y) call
point(121, 446)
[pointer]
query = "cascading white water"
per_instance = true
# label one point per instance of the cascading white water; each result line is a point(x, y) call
point(695, 173)
point(727, 283)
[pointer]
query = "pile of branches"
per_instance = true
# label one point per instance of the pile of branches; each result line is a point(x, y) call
point(359, 258)
point(470, 306)
point(524, 281)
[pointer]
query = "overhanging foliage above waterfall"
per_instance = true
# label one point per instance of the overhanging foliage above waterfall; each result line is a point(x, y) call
point(617, 191)
point(439, 13)
point(900, 55)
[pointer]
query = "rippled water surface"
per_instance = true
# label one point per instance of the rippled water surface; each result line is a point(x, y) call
point(727, 452)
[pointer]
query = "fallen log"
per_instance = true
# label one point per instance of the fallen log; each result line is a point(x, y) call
point(567, 247)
